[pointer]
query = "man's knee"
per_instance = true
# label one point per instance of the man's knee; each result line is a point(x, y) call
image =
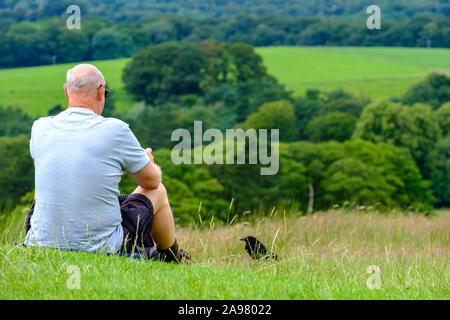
point(158, 196)
point(162, 193)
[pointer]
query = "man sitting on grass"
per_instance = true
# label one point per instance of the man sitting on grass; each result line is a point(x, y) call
point(79, 159)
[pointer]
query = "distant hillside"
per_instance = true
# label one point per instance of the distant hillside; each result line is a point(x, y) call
point(119, 10)
point(373, 72)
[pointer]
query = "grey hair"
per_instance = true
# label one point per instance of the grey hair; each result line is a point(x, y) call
point(84, 78)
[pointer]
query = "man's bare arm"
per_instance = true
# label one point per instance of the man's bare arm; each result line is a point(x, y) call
point(150, 176)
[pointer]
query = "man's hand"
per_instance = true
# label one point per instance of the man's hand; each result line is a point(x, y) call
point(148, 152)
point(150, 176)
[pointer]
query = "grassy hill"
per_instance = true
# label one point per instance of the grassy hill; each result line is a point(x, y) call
point(323, 256)
point(37, 89)
point(372, 72)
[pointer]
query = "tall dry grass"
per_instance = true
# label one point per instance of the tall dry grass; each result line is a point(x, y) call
point(324, 235)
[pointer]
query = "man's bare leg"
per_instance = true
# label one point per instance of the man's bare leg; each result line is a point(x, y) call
point(163, 228)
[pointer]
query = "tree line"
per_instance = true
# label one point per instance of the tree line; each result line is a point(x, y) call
point(119, 10)
point(38, 35)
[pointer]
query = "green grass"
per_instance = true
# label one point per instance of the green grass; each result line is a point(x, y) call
point(37, 89)
point(372, 72)
point(323, 256)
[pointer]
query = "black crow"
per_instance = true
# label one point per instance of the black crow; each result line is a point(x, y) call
point(256, 249)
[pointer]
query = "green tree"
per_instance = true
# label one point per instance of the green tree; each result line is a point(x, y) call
point(434, 90)
point(170, 70)
point(14, 122)
point(438, 165)
point(161, 71)
point(112, 44)
point(307, 108)
point(153, 126)
point(56, 109)
point(26, 44)
point(337, 126)
point(341, 101)
point(374, 174)
point(350, 179)
point(275, 115)
point(245, 184)
point(160, 30)
point(398, 170)
point(247, 64)
point(443, 116)
point(319, 176)
point(109, 109)
point(246, 97)
point(217, 64)
point(16, 169)
point(72, 45)
point(428, 34)
point(300, 174)
point(414, 128)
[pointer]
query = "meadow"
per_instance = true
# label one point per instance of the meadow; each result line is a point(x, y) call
point(376, 72)
point(373, 72)
point(328, 255)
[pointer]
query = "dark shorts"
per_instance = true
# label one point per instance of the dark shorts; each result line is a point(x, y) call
point(137, 219)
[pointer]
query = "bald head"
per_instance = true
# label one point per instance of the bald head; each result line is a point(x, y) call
point(84, 79)
point(85, 87)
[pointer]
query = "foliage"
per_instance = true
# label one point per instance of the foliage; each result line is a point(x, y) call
point(398, 170)
point(414, 128)
point(14, 122)
point(358, 171)
point(33, 32)
point(168, 70)
point(153, 125)
point(438, 166)
point(434, 90)
point(275, 115)
point(307, 108)
point(245, 98)
point(337, 126)
point(443, 116)
point(120, 10)
point(317, 110)
point(53, 111)
point(112, 44)
point(341, 101)
point(15, 161)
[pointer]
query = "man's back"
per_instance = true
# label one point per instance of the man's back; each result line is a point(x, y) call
point(80, 158)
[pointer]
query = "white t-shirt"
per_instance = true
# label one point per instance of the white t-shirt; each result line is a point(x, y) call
point(79, 160)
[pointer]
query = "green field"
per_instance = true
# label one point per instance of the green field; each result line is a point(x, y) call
point(37, 89)
point(372, 72)
point(324, 256)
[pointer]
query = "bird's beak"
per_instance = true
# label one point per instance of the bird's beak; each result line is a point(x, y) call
point(242, 239)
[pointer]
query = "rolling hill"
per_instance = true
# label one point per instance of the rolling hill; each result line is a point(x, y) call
point(373, 72)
